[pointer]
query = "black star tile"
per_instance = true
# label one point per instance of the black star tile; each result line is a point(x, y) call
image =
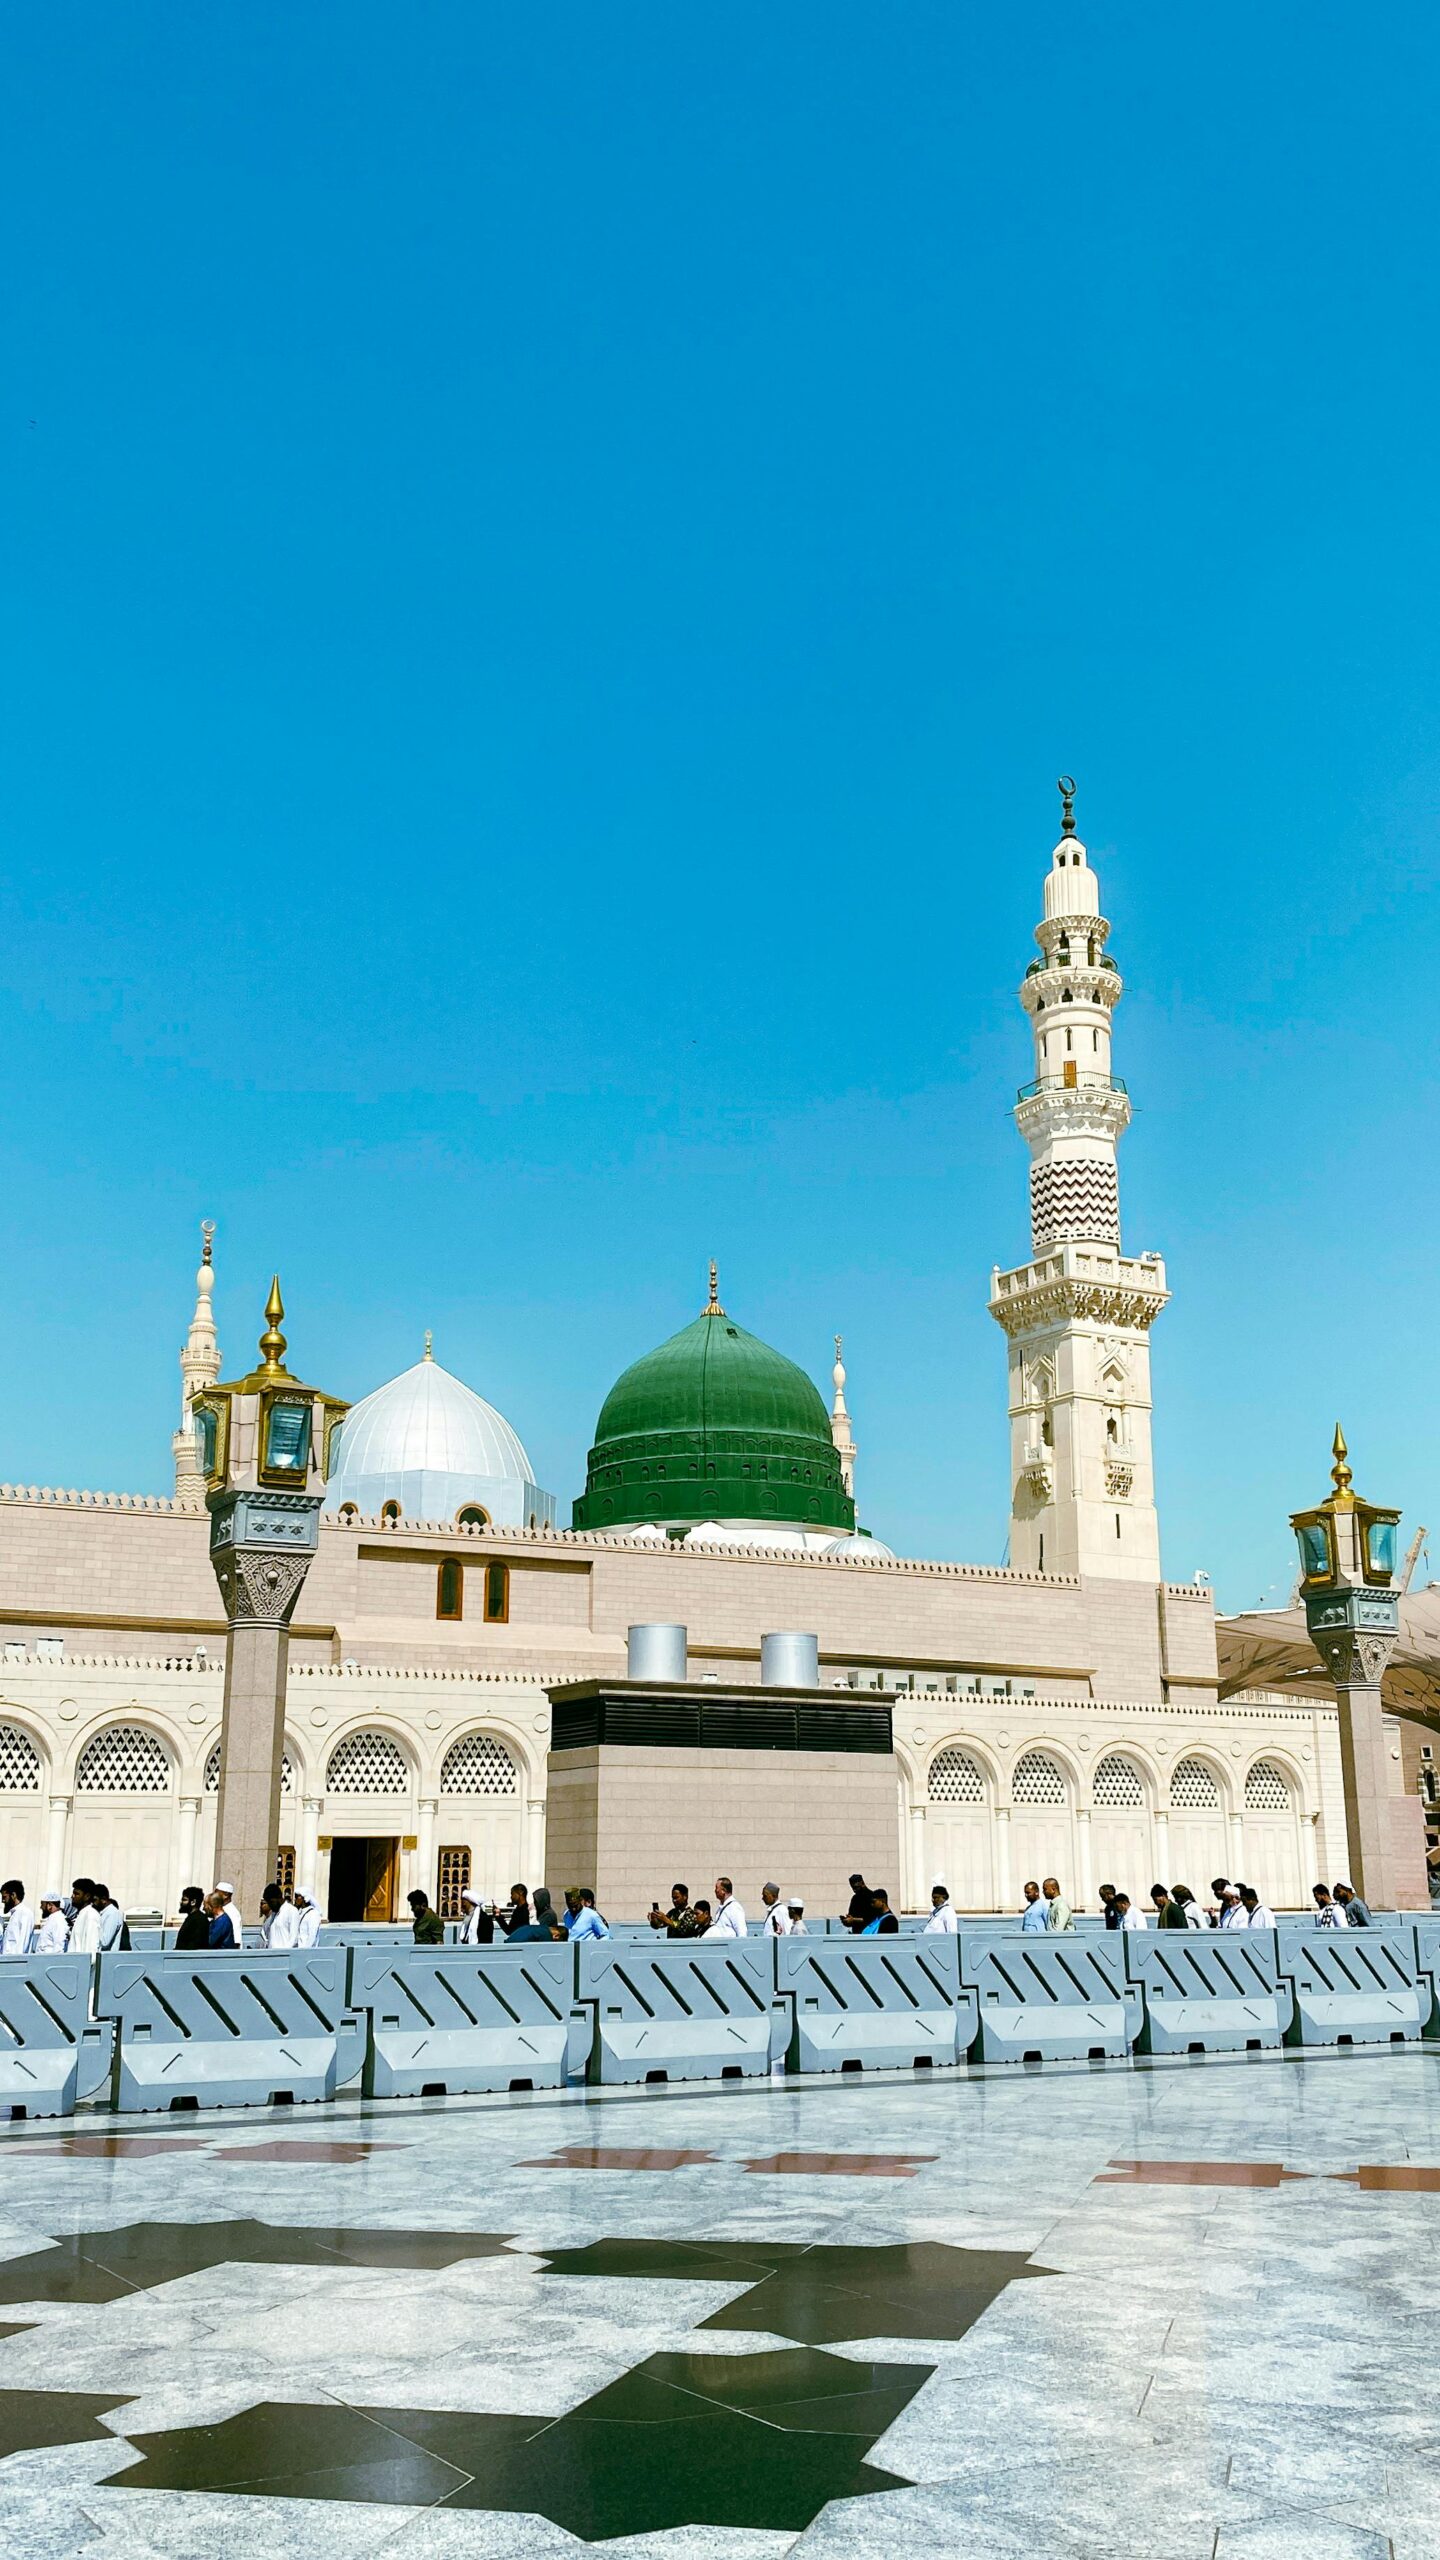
point(764, 2441)
point(817, 2294)
point(99, 2266)
point(278, 2450)
point(30, 2420)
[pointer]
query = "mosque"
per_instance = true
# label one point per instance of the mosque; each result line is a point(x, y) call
point(1061, 1714)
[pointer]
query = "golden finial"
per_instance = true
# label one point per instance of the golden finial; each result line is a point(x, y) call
point(207, 1240)
point(714, 1308)
point(1066, 788)
point(272, 1340)
point(429, 1344)
point(1340, 1475)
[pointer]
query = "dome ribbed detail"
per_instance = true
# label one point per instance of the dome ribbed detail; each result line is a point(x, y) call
point(714, 1425)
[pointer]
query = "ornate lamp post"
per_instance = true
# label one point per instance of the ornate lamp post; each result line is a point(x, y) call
point(265, 1443)
point(1348, 1551)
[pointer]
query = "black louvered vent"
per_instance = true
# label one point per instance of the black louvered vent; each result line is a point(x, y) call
point(660, 1719)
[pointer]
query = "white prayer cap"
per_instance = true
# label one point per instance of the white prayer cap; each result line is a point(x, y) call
point(468, 1894)
point(54, 1895)
point(302, 1892)
point(224, 1888)
point(795, 1902)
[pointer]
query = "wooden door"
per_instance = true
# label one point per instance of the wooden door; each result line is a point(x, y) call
point(381, 1861)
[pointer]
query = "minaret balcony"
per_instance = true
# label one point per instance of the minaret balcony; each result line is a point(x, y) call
point(1079, 1080)
point(1089, 1282)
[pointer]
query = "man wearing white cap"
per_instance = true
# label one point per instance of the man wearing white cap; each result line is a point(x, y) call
point(307, 1927)
point(479, 1928)
point(227, 1918)
point(795, 1914)
point(53, 1935)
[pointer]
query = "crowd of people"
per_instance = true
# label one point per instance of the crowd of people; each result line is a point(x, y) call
point(1233, 1906)
point(88, 1920)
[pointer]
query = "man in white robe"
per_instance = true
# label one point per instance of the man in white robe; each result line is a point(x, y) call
point(109, 1917)
point(284, 1930)
point(307, 1926)
point(53, 1935)
point(85, 1927)
point(19, 1919)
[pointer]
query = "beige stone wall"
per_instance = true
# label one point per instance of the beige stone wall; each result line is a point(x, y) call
point(143, 1571)
point(1112, 1668)
point(632, 1822)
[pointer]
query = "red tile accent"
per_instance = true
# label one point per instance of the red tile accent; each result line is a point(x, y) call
point(111, 2146)
point(842, 2164)
point(1403, 2180)
point(341, 2153)
point(578, 2157)
point(1196, 2173)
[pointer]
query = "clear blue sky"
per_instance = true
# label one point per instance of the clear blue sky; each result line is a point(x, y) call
point(551, 559)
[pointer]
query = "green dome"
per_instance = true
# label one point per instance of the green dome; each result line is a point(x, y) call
point(713, 1426)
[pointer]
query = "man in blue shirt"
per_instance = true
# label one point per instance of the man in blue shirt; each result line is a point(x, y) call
point(1036, 1914)
point(582, 1920)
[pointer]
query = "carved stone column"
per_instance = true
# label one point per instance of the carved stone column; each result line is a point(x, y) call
point(261, 1545)
point(1354, 1634)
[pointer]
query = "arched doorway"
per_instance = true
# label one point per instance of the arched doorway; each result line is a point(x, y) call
point(1199, 1847)
point(21, 1839)
point(959, 1832)
point(482, 1816)
point(1042, 1832)
point(124, 1826)
point(1123, 1851)
point(369, 1810)
point(1272, 1849)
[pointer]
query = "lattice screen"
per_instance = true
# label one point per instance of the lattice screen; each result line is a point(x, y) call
point(1267, 1789)
point(124, 1761)
point(212, 1773)
point(367, 1764)
point(1193, 1788)
point(1037, 1780)
point(453, 1877)
point(285, 1869)
point(1118, 1785)
point(19, 1761)
point(955, 1779)
point(478, 1765)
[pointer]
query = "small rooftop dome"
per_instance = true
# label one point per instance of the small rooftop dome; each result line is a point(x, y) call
point(427, 1442)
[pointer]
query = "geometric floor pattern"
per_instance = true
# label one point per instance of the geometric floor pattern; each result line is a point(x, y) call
point(1008, 2316)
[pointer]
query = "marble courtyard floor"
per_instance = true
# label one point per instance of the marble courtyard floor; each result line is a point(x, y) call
point(1179, 2309)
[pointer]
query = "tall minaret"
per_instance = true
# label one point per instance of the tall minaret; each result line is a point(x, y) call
point(199, 1367)
point(841, 1427)
point(1078, 1314)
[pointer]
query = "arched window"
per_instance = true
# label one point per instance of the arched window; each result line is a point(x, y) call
point(212, 1773)
point(1037, 1780)
point(497, 1594)
point(349, 1510)
point(390, 1514)
point(1193, 1788)
point(1119, 1787)
point(1267, 1789)
point(450, 1589)
point(478, 1765)
point(19, 1762)
point(471, 1515)
point(956, 1779)
point(367, 1764)
point(124, 1760)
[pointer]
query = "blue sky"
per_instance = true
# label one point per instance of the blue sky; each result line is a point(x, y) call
point(552, 558)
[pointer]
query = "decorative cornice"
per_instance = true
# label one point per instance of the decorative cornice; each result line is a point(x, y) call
point(1066, 1301)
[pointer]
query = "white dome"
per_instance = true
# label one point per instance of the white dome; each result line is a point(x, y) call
point(428, 1442)
point(862, 1550)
